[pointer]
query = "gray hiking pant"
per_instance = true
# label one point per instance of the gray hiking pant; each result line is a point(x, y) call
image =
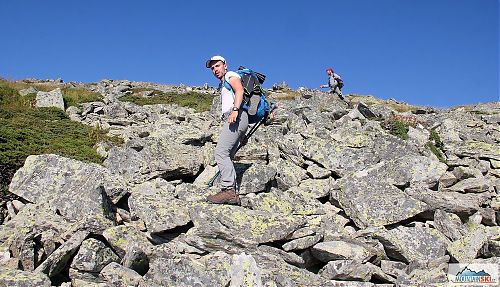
point(336, 91)
point(229, 139)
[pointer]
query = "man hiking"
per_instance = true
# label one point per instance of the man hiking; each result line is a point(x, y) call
point(234, 129)
point(335, 83)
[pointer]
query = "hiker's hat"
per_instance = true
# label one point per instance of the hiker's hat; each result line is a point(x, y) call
point(329, 69)
point(215, 58)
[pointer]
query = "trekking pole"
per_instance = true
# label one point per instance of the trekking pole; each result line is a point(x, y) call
point(242, 142)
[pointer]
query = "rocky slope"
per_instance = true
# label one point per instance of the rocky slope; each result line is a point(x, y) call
point(329, 198)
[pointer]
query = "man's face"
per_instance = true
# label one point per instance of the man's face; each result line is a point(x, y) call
point(329, 72)
point(218, 69)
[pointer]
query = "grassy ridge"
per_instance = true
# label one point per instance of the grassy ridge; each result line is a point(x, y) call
point(72, 96)
point(198, 101)
point(27, 130)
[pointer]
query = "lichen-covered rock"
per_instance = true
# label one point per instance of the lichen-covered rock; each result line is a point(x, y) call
point(318, 172)
point(27, 91)
point(449, 224)
point(480, 149)
point(351, 270)
point(288, 174)
point(316, 188)
point(256, 178)
point(136, 259)
point(467, 248)
point(122, 237)
point(141, 160)
point(370, 202)
point(447, 179)
point(237, 223)
point(473, 185)
point(276, 272)
point(288, 257)
point(218, 266)
point(180, 272)
point(19, 278)
point(18, 235)
point(453, 202)
point(302, 243)
point(155, 204)
point(93, 256)
point(412, 243)
point(340, 250)
point(58, 260)
point(192, 131)
point(286, 203)
point(425, 272)
point(61, 182)
point(245, 272)
point(117, 275)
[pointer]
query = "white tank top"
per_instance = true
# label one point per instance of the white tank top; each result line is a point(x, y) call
point(226, 95)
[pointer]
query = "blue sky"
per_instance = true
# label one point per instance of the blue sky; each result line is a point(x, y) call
point(438, 53)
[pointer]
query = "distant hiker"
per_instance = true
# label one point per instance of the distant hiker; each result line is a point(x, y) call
point(233, 130)
point(335, 83)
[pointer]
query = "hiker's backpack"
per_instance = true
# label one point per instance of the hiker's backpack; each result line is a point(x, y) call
point(340, 82)
point(254, 98)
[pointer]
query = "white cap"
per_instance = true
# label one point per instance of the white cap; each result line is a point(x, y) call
point(215, 58)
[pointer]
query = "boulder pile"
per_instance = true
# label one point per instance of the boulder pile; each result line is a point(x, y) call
point(330, 197)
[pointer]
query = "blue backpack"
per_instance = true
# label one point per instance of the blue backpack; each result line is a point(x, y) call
point(254, 98)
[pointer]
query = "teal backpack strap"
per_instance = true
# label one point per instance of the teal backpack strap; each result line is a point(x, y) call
point(227, 85)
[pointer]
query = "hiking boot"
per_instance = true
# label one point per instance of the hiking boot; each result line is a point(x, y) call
point(228, 196)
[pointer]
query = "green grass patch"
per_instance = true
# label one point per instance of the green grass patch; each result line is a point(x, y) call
point(398, 128)
point(436, 140)
point(436, 151)
point(45, 87)
point(283, 95)
point(26, 130)
point(72, 96)
point(399, 125)
point(198, 101)
point(436, 145)
point(370, 101)
point(75, 96)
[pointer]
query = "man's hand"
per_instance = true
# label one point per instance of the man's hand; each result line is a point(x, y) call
point(232, 117)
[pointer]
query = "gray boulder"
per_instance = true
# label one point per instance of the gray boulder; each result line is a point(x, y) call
point(118, 275)
point(468, 247)
point(59, 259)
point(428, 272)
point(350, 270)
point(180, 272)
point(340, 250)
point(245, 272)
point(142, 160)
point(449, 224)
point(27, 91)
point(475, 185)
point(59, 182)
point(242, 225)
point(50, 99)
point(285, 203)
point(93, 256)
point(412, 243)
point(257, 178)
point(374, 202)
point(19, 278)
point(17, 236)
point(452, 202)
point(154, 203)
point(123, 238)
